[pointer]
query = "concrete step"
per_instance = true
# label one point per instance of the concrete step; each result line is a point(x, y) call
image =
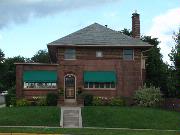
point(71, 117)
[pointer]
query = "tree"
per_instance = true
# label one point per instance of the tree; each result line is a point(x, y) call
point(42, 56)
point(158, 73)
point(2, 67)
point(2, 55)
point(9, 76)
point(127, 32)
point(175, 58)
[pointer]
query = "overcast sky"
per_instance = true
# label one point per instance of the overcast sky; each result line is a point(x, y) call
point(28, 25)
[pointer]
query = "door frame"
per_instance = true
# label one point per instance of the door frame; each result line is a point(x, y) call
point(65, 86)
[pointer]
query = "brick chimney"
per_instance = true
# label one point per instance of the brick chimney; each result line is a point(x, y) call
point(135, 25)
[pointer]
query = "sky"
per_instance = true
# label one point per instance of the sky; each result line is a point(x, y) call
point(27, 26)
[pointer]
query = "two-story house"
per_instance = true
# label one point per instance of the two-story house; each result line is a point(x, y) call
point(95, 59)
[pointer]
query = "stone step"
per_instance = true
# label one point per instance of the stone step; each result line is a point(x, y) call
point(71, 117)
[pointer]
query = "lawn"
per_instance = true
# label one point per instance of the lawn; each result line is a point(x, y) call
point(27, 116)
point(130, 117)
point(86, 131)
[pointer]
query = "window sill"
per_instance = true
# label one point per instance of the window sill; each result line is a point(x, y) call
point(40, 88)
point(99, 88)
point(70, 59)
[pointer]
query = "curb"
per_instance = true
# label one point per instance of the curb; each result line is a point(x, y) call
point(169, 130)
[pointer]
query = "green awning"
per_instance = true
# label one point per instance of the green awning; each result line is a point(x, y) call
point(40, 76)
point(99, 76)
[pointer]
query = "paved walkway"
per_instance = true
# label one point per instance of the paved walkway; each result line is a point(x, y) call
point(71, 117)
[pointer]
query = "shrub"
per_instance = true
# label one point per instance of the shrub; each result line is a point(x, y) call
point(98, 101)
point(10, 99)
point(41, 101)
point(51, 99)
point(22, 102)
point(117, 102)
point(148, 96)
point(88, 98)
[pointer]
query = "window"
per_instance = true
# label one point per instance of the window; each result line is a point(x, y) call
point(107, 85)
point(97, 85)
point(143, 63)
point(91, 85)
point(39, 85)
point(70, 54)
point(128, 54)
point(99, 54)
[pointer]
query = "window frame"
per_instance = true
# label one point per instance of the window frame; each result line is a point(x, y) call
point(40, 85)
point(126, 54)
point(97, 52)
point(99, 86)
point(65, 53)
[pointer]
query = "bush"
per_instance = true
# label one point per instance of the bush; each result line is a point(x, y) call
point(117, 102)
point(98, 101)
point(148, 96)
point(10, 99)
point(22, 102)
point(41, 101)
point(88, 98)
point(51, 99)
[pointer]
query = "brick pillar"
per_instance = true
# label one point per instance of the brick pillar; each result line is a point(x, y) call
point(19, 79)
point(135, 25)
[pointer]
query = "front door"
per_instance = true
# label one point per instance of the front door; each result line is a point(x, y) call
point(69, 87)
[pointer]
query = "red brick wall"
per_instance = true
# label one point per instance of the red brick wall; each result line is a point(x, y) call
point(20, 91)
point(129, 73)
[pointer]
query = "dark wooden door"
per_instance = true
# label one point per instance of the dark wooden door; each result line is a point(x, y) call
point(70, 87)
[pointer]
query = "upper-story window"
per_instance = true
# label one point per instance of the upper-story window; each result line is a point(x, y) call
point(70, 54)
point(99, 54)
point(128, 54)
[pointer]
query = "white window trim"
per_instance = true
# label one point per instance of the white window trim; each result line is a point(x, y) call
point(37, 87)
point(100, 88)
point(123, 54)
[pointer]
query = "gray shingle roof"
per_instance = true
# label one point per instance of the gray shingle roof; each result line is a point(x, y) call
point(96, 34)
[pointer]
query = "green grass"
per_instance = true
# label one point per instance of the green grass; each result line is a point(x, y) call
point(27, 116)
point(86, 131)
point(130, 117)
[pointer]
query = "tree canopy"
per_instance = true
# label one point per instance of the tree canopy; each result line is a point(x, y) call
point(42, 56)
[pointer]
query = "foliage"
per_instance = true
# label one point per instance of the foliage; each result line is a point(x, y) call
point(42, 56)
point(117, 102)
point(51, 99)
point(158, 73)
point(61, 92)
point(99, 101)
point(42, 101)
point(148, 96)
point(127, 32)
point(2, 68)
point(102, 101)
point(9, 75)
point(88, 98)
point(10, 100)
point(175, 59)
point(22, 102)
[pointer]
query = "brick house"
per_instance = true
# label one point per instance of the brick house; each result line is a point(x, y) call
point(95, 59)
